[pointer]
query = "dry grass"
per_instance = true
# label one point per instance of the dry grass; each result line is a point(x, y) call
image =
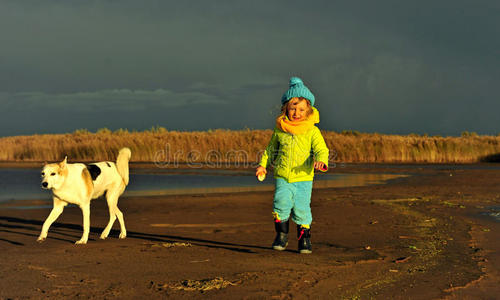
point(196, 285)
point(217, 147)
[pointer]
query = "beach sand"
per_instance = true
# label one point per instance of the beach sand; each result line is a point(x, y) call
point(417, 237)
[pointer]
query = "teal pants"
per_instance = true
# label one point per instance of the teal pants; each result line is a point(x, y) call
point(293, 199)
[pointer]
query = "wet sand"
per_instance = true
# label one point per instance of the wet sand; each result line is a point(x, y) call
point(418, 237)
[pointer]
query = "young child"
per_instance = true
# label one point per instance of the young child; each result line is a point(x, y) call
point(290, 153)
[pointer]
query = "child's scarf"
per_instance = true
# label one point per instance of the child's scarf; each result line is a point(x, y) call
point(297, 127)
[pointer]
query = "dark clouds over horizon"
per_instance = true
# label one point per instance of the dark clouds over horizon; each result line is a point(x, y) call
point(374, 66)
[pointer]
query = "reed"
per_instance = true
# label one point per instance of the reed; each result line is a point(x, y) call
point(217, 147)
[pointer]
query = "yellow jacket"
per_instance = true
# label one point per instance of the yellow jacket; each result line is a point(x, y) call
point(293, 156)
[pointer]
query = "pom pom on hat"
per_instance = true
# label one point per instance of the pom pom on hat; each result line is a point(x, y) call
point(297, 89)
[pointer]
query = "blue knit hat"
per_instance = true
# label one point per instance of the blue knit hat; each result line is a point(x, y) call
point(297, 89)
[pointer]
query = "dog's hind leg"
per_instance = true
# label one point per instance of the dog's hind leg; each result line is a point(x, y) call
point(112, 218)
point(86, 223)
point(114, 212)
point(123, 230)
point(57, 209)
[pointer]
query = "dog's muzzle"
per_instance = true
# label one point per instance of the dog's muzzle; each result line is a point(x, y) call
point(45, 185)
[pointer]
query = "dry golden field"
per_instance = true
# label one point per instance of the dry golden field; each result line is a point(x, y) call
point(216, 147)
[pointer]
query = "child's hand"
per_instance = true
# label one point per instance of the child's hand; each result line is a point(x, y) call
point(260, 170)
point(261, 173)
point(318, 165)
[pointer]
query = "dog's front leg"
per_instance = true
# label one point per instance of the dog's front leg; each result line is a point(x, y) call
point(86, 223)
point(57, 209)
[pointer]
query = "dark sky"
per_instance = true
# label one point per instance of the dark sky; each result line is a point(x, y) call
point(387, 66)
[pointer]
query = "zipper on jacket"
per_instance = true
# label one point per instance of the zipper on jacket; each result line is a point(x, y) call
point(291, 158)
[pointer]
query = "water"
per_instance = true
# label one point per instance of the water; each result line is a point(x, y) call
point(475, 166)
point(23, 185)
point(18, 184)
point(493, 212)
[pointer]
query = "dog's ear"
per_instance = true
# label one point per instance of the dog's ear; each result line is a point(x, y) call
point(62, 164)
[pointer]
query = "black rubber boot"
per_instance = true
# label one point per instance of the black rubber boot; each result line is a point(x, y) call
point(281, 240)
point(304, 236)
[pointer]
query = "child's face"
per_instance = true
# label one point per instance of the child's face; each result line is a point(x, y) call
point(297, 110)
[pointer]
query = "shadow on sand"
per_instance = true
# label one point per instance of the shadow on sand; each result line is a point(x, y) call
point(23, 227)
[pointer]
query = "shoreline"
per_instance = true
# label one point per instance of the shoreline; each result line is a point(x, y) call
point(485, 239)
point(335, 166)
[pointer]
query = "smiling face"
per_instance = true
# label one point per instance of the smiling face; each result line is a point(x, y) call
point(53, 175)
point(298, 109)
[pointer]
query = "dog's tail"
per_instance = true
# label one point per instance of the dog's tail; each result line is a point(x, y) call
point(122, 163)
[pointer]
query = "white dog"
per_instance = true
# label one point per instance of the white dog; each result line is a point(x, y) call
point(79, 183)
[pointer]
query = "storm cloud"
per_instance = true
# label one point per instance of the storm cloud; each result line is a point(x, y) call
point(374, 66)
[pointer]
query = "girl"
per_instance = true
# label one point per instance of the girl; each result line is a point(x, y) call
point(290, 152)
